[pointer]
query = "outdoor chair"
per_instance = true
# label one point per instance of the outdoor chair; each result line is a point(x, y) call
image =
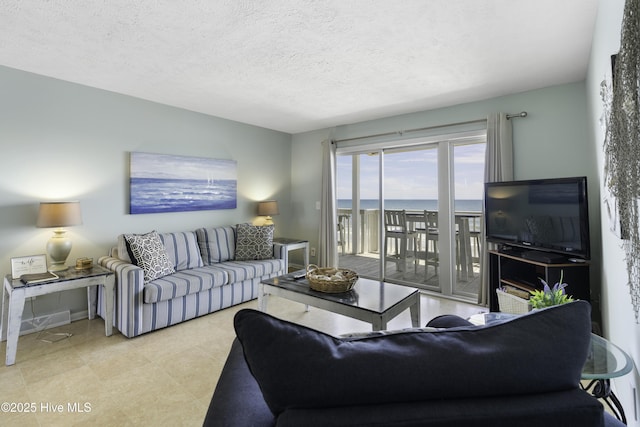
point(397, 232)
point(430, 234)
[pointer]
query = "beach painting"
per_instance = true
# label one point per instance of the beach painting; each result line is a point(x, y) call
point(167, 183)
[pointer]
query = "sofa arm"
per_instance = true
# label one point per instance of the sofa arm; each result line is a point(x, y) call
point(129, 295)
point(237, 399)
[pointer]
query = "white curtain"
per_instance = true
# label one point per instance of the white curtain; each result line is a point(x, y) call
point(328, 251)
point(498, 166)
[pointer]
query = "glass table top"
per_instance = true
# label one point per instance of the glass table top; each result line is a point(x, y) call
point(606, 360)
point(70, 273)
point(371, 295)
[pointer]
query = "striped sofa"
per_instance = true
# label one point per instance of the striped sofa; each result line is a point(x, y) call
point(207, 278)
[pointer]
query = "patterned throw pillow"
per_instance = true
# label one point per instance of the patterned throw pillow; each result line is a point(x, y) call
point(254, 242)
point(150, 255)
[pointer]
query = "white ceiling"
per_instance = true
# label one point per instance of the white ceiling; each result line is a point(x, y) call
point(300, 65)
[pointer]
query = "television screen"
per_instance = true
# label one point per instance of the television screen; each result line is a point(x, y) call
point(545, 214)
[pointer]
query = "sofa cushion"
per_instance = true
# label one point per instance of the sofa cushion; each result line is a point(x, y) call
point(183, 283)
point(149, 253)
point(298, 367)
point(244, 270)
point(254, 242)
point(568, 408)
point(182, 248)
point(216, 244)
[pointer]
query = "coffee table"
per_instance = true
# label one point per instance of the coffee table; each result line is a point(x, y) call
point(371, 301)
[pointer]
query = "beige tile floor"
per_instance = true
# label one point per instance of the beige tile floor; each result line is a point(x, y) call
point(164, 378)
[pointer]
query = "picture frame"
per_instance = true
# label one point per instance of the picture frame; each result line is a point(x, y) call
point(31, 264)
point(161, 183)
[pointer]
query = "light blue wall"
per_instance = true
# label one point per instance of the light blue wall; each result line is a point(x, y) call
point(552, 141)
point(619, 322)
point(65, 141)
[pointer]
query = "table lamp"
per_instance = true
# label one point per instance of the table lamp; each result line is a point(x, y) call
point(268, 208)
point(58, 215)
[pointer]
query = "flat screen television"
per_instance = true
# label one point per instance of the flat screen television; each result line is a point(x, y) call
point(549, 215)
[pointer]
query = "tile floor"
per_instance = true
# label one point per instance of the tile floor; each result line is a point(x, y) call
point(162, 378)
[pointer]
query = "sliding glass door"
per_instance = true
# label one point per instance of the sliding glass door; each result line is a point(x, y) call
point(468, 179)
point(439, 186)
point(358, 216)
point(411, 185)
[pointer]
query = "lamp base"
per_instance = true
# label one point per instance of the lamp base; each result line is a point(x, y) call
point(58, 248)
point(58, 267)
point(268, 221)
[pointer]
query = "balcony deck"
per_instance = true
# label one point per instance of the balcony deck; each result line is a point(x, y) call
point(368, 265)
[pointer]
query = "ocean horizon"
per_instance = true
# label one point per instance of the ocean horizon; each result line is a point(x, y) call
point(155, 195)
point(463, 205)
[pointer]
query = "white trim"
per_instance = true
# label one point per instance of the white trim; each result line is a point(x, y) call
point(367, 147)
point(444, 144)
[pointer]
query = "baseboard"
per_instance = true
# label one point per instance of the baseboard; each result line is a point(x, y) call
point(79, 315)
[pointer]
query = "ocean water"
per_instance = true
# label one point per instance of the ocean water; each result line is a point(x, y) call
point(413, 205)
point(154, 195)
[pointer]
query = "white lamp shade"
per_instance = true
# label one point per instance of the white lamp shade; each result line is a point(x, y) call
point(59, 214)
point(268, 208)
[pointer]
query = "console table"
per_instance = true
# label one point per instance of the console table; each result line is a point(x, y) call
point(15, 293)
point(510, 268)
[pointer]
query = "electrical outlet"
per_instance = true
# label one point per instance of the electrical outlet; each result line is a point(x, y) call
point(312, 252)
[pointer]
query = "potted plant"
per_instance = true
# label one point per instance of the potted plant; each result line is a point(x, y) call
point(549, 296)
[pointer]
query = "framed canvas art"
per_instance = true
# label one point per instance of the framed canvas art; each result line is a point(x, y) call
point(168, 183)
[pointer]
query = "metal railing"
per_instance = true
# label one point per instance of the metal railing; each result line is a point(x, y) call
point(370, 227)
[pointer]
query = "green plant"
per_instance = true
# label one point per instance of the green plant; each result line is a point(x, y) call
point(549, 296)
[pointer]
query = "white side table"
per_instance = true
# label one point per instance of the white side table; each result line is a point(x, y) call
point(292, 245)
point(14, 294)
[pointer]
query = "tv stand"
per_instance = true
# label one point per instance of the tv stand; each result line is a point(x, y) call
point(544, 257)
point(524, 269)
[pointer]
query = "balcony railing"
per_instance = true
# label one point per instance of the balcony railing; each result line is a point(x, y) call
point(468, 228)
point(424, 270)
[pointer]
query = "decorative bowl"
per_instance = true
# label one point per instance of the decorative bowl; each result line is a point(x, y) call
point(331, 280)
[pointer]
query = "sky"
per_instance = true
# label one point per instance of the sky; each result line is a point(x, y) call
point(413, 175)
point(164, 166)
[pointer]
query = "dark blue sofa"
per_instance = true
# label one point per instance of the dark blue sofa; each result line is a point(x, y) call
point(522, 372)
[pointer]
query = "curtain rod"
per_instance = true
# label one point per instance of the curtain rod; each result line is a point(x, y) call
point(401, 132)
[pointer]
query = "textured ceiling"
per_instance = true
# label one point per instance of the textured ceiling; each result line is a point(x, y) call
point(302, 65)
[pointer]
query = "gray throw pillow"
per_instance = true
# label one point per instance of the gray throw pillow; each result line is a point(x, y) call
point(254, 242)
point(150, 254)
